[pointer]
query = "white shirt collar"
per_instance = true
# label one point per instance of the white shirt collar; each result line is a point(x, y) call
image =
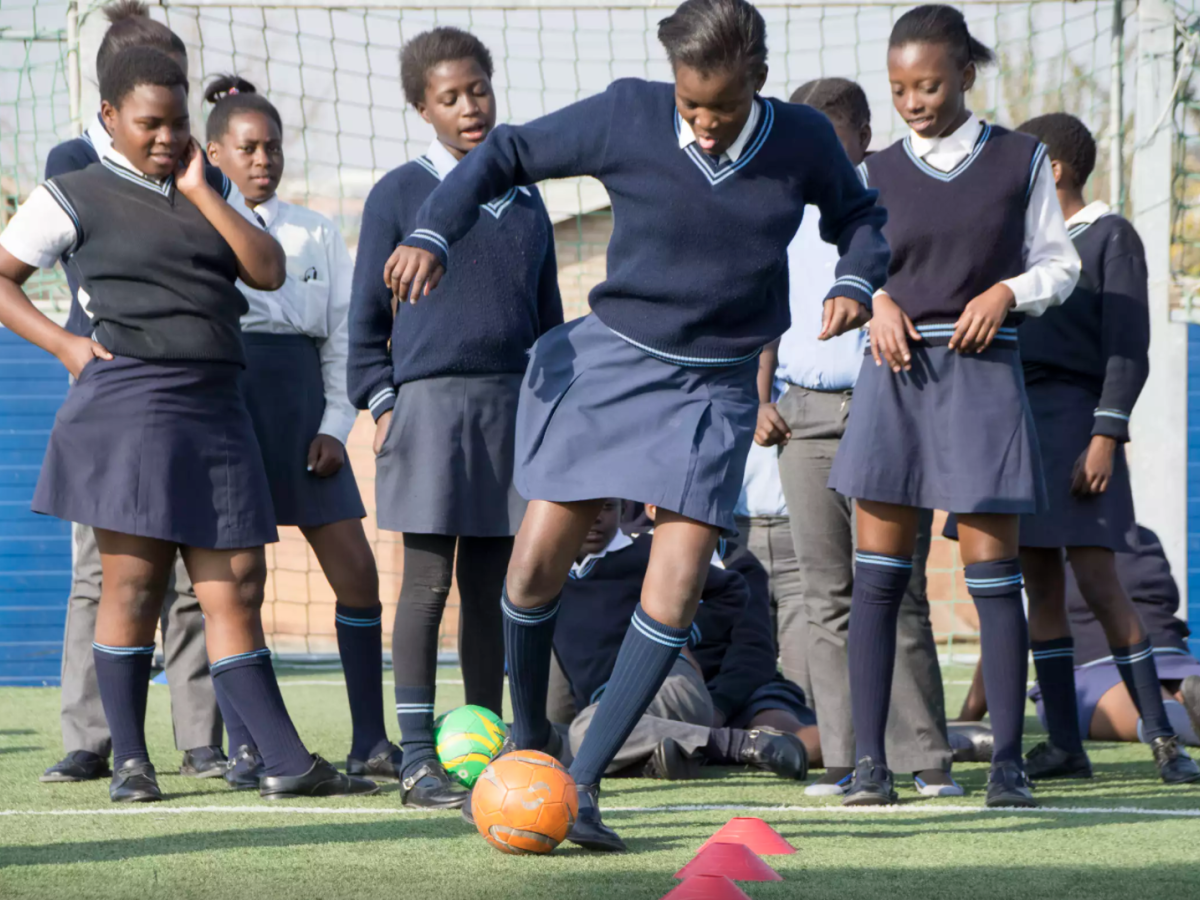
point(97, 136)
point(687, 136)
point(619, 542)
point(441, 157)
point(268, 211)
point(1089, 213)
point(113, 155)
point(961, 141)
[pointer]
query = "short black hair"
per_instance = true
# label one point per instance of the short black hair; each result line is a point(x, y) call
point(439, 45)
point(938, 24)
point(1067, 141)
point(230, 95)
point(130, 25)
point(838, 98)
point(135, 66)
point(715, 36)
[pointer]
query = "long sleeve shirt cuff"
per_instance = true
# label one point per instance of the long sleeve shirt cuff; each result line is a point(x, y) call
point(337, 423)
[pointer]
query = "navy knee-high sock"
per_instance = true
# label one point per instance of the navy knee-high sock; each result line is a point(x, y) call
point(647, 654)
point(414, 712)
point(1004, 646)
point(879, 585)
point(360, 644)
point(528, 643)
point(1055, 664)
point(123, 674)
point(248, 680)
point(239, 734)
point(1140, 674)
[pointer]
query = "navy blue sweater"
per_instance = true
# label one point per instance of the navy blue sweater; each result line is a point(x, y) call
point(697, 263)
point(499, 297)
point(594, 615)
point(1100, 337)
point(73, 156)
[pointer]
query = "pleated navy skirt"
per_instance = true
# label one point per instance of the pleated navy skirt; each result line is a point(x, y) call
point(158, 450)
point(446, 465)
point(286, 398)
point(600, 418)
point(955, 434)
point(1064, 416)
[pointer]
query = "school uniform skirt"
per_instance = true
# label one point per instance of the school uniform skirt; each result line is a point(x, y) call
point(160, 450)
point(446, 465)
point(600, 418)
point(956, 434)
point(285, 394)
point(1064, 416)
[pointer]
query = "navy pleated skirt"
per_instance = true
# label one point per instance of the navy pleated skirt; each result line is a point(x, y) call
point(158, 450)
point(446, 465)
point(956, 434)
point(286, 398)
point(1064, 416)
point(600, 418)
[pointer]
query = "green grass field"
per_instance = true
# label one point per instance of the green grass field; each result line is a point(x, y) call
point(1122, 836)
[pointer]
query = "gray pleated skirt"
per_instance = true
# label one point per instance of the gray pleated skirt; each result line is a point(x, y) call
point(600, 418)
point(285, 394)
point(158, 450)
point(446, 465)
point(955, 434)
point(1064, 416)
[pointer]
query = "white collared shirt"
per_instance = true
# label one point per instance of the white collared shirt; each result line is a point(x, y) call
point(97, 135)
point(314, 300)
point(1095, 210)
point(687, 136)
point(1051, 264)
point(619, 541)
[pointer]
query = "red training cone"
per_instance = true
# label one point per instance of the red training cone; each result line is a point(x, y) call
point(755, 834)
point(707, 887)
point(736, 862)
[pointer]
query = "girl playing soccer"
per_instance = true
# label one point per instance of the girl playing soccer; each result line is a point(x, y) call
point(942, 422)
point(653, 398)
point(444, 396)
point(295, 385)
point(153, 446)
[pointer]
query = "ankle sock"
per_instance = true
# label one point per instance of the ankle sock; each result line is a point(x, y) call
point(123, 674)
point(414, 711)
point(1004, 647)
point(248, 680)
point(528, 643)
point(1140, 674)
point(360, 645)
point(1054, 661)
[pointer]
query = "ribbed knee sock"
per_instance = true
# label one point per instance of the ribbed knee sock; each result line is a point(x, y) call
point(1004, 646)
point(528, 643)
point(360, 645)
point(248, 680)
point(1140, 674)
point(123, 674)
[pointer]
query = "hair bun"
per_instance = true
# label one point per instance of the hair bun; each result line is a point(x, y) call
point(227, 86)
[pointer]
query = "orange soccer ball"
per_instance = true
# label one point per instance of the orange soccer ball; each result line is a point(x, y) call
point(524, 802)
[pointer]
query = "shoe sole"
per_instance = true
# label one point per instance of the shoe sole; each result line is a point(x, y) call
point(137, 798)
point(70, 779)
point(207, 773)
point(243, 787)
point(870, 800)
point(292, 796)
point(1192, 780)
point(1011, 803)
point(599, 846)
point(458, 804)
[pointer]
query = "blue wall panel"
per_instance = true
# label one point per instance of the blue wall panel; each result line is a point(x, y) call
point(35, 551)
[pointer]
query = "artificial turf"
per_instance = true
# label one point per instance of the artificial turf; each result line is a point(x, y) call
point(1128, 837)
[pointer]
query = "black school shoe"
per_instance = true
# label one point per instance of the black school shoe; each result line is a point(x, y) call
point(203, 762)
point(1174, 765)
point(78, 765)
point(430, 787)
point(669, 762)
point(971, 742)
point(321, 780)
point(384, 766)
point(1009, 788)
point(873, 785)
point(774, 751)
point(588, 831)
point(1046, 761)
point(244, 769)
point(134, 781)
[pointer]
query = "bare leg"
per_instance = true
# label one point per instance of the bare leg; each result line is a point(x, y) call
point(974, 707)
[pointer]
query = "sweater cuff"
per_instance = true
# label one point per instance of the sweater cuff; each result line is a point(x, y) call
point(853, 287)
point(428, 239)
point(381, 401)
point(1111, 423)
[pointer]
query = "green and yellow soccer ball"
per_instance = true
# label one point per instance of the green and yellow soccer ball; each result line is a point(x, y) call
point(467, 739)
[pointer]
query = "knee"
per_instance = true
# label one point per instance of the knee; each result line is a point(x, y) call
point(358, 582)
point(530, 583)
point(250, 578)
point(139, 593)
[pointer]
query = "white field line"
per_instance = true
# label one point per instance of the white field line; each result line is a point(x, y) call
point(907, 809)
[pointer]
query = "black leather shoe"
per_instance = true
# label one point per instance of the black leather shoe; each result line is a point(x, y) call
point(971, 742)
point(1047, 761)
point(775, 751)
point(669, 762)
point(385, 766)
point(1008, 787)
point(873, 785)
point(135, 782)
point(78, 765)
point(203, 762)
point(1174, 765)
point(588, 831)
point(431, 788)
point(244, 769)
point(321, 780)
